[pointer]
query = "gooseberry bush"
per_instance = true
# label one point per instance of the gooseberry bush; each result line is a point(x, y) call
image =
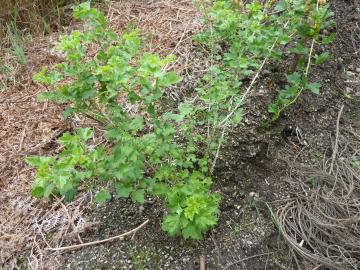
point(241, 38)
point(170, 155)
point(143, 157)
point(310, 19)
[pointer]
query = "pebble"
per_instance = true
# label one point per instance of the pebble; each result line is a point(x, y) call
point(349, 73)
point(254, 194)
point(348, 90)
point(357, 70)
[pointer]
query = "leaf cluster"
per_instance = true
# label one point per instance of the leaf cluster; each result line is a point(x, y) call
point(309, 23)
point(239, 37)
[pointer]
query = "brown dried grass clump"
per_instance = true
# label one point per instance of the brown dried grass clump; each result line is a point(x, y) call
point(35, 16)
point(321, 222)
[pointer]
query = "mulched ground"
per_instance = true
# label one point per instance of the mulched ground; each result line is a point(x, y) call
point(251, 171)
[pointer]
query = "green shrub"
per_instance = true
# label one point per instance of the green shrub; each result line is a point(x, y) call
point(144, 157)
point(241, 38)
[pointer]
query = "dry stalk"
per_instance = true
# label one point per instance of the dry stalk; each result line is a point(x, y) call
point(121, 236)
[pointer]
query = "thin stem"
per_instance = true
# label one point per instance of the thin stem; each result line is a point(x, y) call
point(306, 74)
point(208, 127)
point(247, 258)
point(217, 150)
point(310, 55)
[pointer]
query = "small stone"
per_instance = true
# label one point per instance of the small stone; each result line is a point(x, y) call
point(254, 194)
point(349, 73)
point(357, 70)
point(266, 72)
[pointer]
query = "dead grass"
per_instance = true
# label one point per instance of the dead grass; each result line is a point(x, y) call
point(320, 221)
point(34, 16)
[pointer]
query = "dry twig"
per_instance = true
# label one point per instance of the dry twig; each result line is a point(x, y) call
point(121, 236)
point(246, 259)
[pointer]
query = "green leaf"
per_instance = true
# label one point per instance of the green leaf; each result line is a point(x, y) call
point(273, 108)
point(138, 196)
point(37, 192)
point(314, 87)
point(192, 231)
point(193, 207)
point(123, 191)
point(68, 112)
point(186, 108)
point(102, 196)
point(281, 5)
point(48, 190)
point(306, 30)
point(114, 134)
point(238, 116)
point(169, 78)
point(137, 123)
point(68, 191)
point(160, 189)
point(85, 133)
point(319, 59)
point(34, 161)
point(356, 162)
point(52, 96)
point(45, 77)
point(171, 224)
point(328, 39)
point(294, 78)
point(133, 97)
point(92, 15)
point(299, 49)
point(37, 161)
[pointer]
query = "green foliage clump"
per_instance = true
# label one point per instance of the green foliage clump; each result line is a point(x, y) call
point(143, 156)
point(63, 174)
point(309, 22)
point(241, 37)
point(192, 210)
